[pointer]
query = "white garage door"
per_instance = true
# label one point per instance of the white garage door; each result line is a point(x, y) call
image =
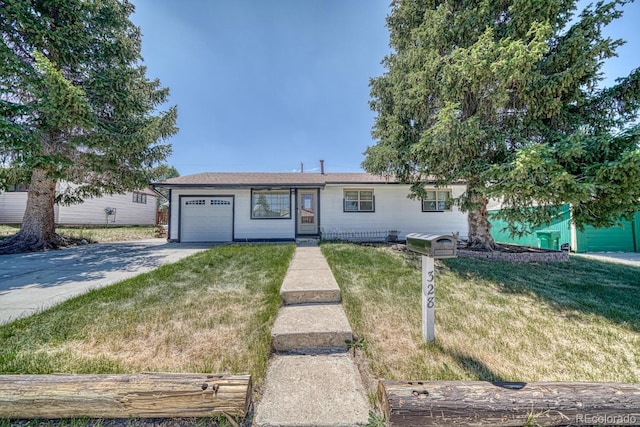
point(206, 219)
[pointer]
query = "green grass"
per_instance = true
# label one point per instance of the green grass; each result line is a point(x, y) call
point(8, 230)
point(575, 321)
point(211, 312)
point(96, 234)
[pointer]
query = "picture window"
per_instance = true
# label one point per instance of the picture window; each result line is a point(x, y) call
point(270, 204)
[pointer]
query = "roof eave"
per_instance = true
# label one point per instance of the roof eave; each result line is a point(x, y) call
point(256, 185)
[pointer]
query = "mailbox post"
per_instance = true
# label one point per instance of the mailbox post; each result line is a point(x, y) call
point(430, 246)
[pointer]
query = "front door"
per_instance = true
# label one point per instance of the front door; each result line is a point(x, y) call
point(307, 212)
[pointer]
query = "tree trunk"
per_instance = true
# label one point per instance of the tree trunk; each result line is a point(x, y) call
point(479, 226)
point(38, 230)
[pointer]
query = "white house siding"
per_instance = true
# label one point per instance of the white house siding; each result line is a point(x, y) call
point(12, 206)
point(91, 212)
point(393, 211)
point(128, 212)
point(245, 228)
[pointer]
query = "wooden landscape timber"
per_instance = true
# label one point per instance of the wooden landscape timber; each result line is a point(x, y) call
point(147, 395)
point(479, 403)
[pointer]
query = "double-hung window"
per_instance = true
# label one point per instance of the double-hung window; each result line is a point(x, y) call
point(437, 201)
point(356, 200)
point(270, 204)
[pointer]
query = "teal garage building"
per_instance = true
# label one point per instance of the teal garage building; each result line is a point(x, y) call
point(624, 237)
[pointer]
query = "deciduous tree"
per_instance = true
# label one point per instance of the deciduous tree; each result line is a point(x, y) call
point(75, 106)
point(506, 96)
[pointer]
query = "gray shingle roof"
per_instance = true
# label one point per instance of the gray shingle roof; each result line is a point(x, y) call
point(272, 179)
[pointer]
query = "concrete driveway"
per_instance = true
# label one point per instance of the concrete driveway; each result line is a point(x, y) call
point(35, 281)
point(628, 258)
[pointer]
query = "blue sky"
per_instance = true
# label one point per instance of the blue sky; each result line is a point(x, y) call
point(262, 86)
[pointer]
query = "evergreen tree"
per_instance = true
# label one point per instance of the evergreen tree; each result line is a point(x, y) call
point(164, 172)
point(75, 105)
point(262, 207)
point(505, 96)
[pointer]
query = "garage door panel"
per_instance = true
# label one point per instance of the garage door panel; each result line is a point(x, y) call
point(206, 219)
point(612, 239)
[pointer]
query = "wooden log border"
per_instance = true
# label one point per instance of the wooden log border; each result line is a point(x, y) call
point(147, 395)
point(479, 403)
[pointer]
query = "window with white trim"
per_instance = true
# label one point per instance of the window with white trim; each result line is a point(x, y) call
point(270, 204)
point(359, 200)
point(139, 198)
point(437, 201)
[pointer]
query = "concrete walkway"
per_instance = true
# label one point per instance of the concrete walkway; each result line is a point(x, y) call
point(311, 379)
point(35, 281)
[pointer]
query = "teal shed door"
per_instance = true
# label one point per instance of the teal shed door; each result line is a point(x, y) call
point(612, 239)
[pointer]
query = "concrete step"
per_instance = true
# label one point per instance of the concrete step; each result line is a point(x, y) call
point(307, 242)
point(309, 286)
point(320, 390)
point(311, 327)
point(309, 258)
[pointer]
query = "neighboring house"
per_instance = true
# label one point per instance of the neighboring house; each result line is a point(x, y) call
point(132, 208)
point(621, 238)
point(225, 207)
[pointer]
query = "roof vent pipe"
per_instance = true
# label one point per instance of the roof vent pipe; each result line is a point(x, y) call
point(301, 167)
point(322, 167)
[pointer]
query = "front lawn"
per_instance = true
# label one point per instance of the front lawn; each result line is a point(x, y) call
point(211, 312)
point(575, 321)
